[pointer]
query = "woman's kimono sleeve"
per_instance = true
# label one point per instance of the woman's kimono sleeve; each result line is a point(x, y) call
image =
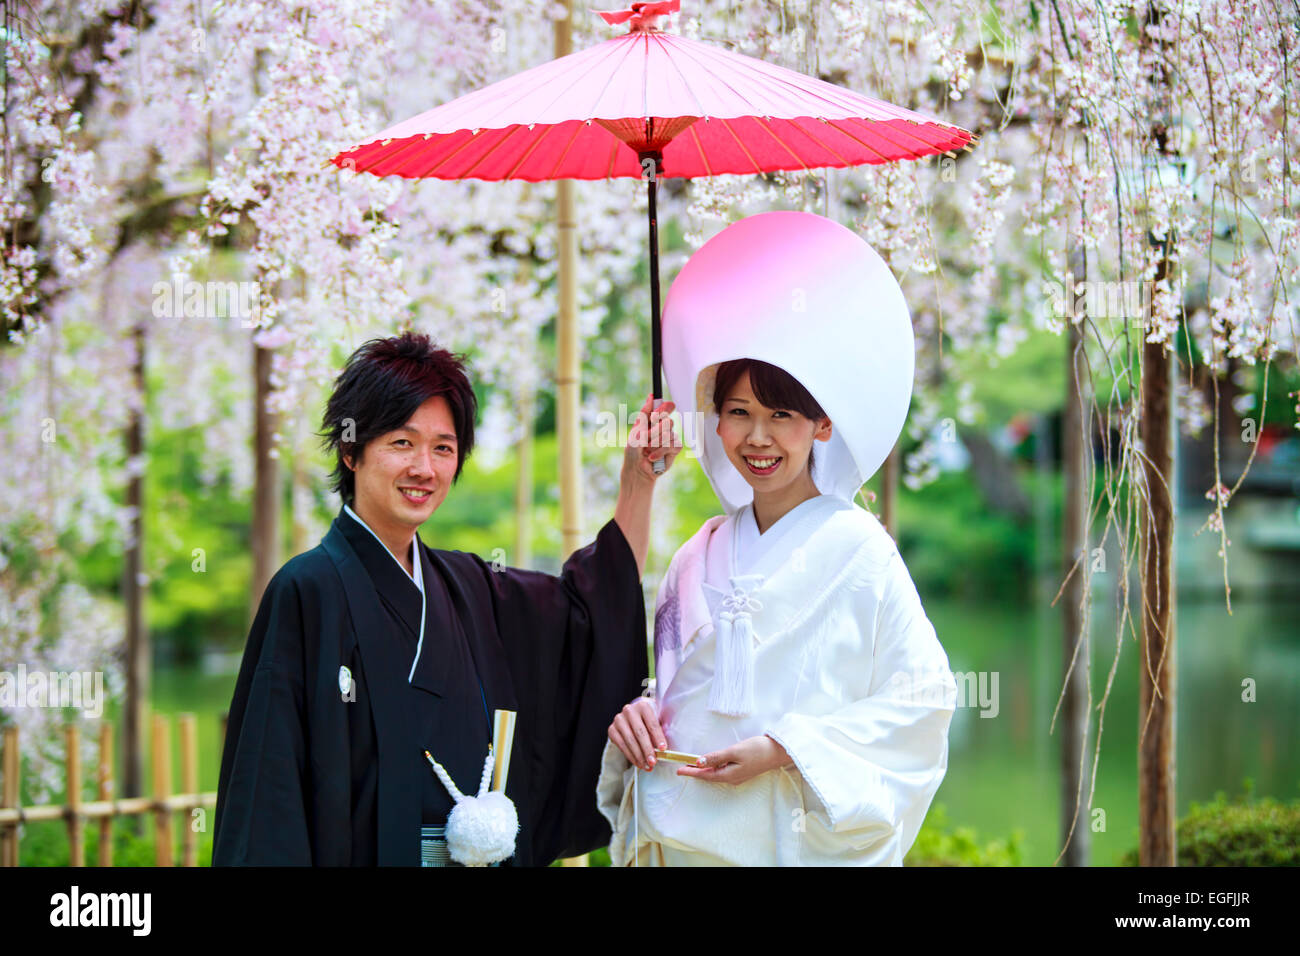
point(875, 763)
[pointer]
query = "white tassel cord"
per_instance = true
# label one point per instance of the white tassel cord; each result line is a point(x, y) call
point(441, 773)
point(732, 692)
point(486, 780)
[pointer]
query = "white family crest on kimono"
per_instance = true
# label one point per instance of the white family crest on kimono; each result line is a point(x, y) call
point(849, 678)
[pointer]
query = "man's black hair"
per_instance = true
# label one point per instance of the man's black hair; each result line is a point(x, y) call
point(773, 387)
point(380, 388)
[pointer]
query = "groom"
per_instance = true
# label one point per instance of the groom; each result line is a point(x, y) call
point(373, 647)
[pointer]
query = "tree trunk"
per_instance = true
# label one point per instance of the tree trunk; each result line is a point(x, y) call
point(523, 556)
point(137, 635)
point(300, 489)
point(1156, 680)
point(995, 475)
point(1075, 821)
point(889, 492)
point(266, 486)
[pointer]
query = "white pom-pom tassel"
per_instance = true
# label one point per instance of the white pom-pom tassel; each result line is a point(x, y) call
point(480, 830)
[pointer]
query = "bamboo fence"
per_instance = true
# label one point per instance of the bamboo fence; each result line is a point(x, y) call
point(77, 813)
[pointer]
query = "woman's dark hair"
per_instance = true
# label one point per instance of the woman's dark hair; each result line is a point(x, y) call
point(378, 391)
point(773, 387)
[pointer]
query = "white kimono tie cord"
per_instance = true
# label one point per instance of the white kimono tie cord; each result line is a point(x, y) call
point(732, 692)
point(480, 830)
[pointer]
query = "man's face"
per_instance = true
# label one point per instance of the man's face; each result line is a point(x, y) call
point(402, 477)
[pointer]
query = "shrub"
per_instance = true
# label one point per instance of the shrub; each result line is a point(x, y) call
point(939, 845)
point(1244, 832)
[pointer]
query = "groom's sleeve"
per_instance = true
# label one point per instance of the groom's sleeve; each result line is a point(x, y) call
point(261, 816)
point(577, 651)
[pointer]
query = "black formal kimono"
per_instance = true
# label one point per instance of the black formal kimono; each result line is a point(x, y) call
point(314, 774)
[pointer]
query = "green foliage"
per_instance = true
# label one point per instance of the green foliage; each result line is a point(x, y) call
point(955, 545)
point(1029, 380)
point(696, 502)
point(187, 521)
point(46, 843)
point(939, 844)
point(1243, 832)
point(478, 515)
point(598, 857)
point(189, 526)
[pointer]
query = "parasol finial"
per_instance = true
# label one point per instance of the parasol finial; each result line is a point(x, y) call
point(640, 17)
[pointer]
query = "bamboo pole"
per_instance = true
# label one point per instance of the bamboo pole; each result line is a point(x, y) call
point(76, 829)
point(568, 383)
point(99, 809)
point(104, 791)
point(162, 775)
point(16, 815)
point(9, 834)
point(189, 784)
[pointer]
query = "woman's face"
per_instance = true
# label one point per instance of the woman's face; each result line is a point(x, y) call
point(769, 446)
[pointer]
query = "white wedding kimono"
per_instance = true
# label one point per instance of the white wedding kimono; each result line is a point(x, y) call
point(848, 677)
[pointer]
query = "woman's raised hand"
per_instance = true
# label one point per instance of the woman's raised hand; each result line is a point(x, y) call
point(652, 437)
point(636, 732)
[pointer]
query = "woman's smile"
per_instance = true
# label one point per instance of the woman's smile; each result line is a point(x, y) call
point(763, 466)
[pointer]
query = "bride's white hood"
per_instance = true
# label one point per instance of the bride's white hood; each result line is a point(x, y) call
point(803, 293)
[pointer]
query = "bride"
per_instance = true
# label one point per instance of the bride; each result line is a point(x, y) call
point(792, 653)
